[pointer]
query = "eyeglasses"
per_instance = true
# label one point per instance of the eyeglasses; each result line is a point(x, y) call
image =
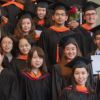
point(90, 14)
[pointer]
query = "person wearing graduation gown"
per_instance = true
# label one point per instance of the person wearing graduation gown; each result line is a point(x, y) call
point(35, 82)
point(61, 75)
point(20, 62)
point(42, 18)
point(8, 82)
point(82, 37)
point(96, 51)
point(49, 38)
point(25, 28)
point(81, 86)
point(10, 10)
point(90, 15)
point(96, 38)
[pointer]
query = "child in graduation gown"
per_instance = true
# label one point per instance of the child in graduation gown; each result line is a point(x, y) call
point(80, 88)
point(8, 82)
point(35, 80)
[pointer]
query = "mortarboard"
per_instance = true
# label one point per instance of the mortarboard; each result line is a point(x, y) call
point(25, 13)
point(44, 3)
point(96, 30)
point(90, 6)
point(67, 39)
point(58, 5)
point(79, 62)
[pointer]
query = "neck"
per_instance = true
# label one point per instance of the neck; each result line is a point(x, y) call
point(91, 25)
point(25, 33)
point(35, 71)
point(59, 25)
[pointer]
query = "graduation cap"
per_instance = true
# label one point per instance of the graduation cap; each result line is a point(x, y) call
point(96, 31)
point(79, 62)
point(90, 6)
point(44, 3)
point(58, 5)
point(66, 40)
point(25, 13)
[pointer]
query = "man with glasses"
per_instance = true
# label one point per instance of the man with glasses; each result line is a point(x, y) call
point(90, 15)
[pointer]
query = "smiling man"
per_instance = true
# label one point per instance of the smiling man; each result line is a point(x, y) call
point(90, 15)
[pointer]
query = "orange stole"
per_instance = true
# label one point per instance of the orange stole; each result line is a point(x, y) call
point(19, 5)
point(87, 27)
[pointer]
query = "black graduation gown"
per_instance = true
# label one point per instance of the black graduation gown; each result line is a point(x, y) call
point(17, 65)
point(49, 40)
point(11, 12)
point(8, 86)
point(84, 40)
point(58, 82)
point(35, 89)
point(69, 94)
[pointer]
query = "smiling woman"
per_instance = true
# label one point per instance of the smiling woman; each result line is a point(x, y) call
point(80, 88)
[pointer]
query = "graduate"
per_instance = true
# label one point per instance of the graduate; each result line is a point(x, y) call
point(49, 38)
point(8, 48)
point(8, 82)
point(18, 64)
point(90, 15)
point(6, 43)
point(96, 37)
point(96, 51)
point(42, 18)
point(81, 86)
point(35, 80)
point(83, 37)
point(61, 75)
point(11, 9)
point(25, 27)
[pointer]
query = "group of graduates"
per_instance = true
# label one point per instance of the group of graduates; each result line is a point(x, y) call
point(46, 48)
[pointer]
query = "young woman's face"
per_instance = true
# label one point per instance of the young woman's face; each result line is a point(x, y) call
point(7, 45)
point(24, 46)
point(36, 61)
point(26, 25)
point(70, 51)
point(41, 12)
point(81, 75)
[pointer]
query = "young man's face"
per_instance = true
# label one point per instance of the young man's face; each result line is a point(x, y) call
point(60, 17)
point(97, 41)
point(90, 16)
point(41, 12)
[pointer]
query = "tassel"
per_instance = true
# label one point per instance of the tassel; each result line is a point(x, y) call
point(57, 54)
